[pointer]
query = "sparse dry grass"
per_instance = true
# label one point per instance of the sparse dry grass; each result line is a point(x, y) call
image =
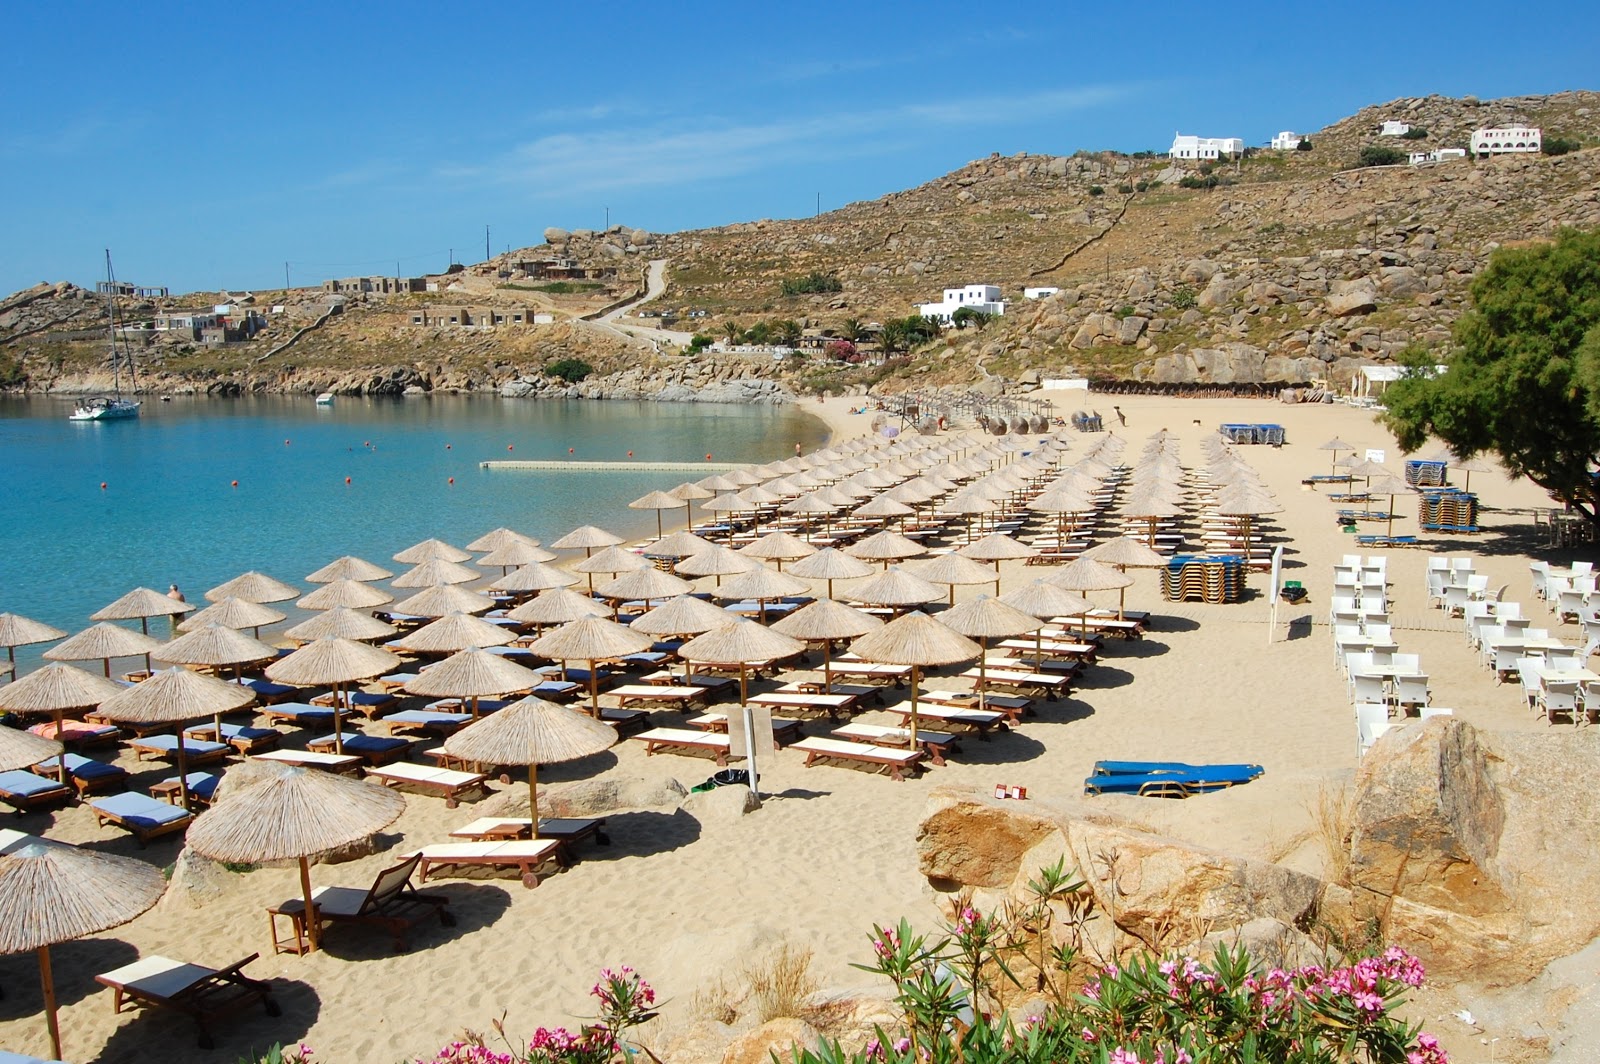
point(1332, 813)
point(773, 986)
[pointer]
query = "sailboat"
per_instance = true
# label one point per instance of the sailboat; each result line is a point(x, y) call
point(111, 407)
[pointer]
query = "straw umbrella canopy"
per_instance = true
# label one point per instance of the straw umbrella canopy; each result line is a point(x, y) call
point(55, 689)
point(1336, 445)
point(1125, 553)
point(344, 623)
point(440, 599)
point(830, 564)
point(986, 618)
point(531, 732)
point(824, 621)
point(473, 673)
point(1390, 486)
point(763, 585)
point(1088, 574)
point(500, 537)
point(741, 642)
point(1247, 505)
point(885, 547)
point(917, 640)
point(335, 663)
point(20, 749)
point(882, 506)
point(716, 560)
point(557, 606)
point(103, 642)
point(678, 545)
point(1468, 466)
point(586, 538)
point(896, 587)
point(1151, 509)
point(1045, 600)
point(294, 813)
point(950, 569)
point(434, 571)
point(688, 493)
point(431, 550)
point(644, 584)
point(612, 559)
point(1368, 469)
point(996, 547)
point(19, 631)
point(257, 587)
point(513, 554)
point(52, 893)
point(534, 576)
point(344, 592)
point(683, 615)
point(234, 613)
point(215, 646)
point(455, 631)
point(348, 567)
point(590, 639)
point(141, 603)
point(173, 696)
point(778, 547)
point(657, 501)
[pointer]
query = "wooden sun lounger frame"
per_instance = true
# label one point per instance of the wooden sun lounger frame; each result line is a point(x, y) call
point(676, 696)
point(144, 752)
point(1051, 686)
point(246, 746)
point(933, 743)
point(22, 803)
point(142, 835)
point(530, 865)
point(894, 762)
point(680, 740)
point(450, 790)
point(210, 997)
point(374, 758)
point(391, 903)
point(298, 758)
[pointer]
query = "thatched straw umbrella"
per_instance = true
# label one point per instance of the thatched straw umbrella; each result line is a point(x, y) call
point(1336, 445)
point(824, 621)
point(1045, 600)
point(103, 642)
point(1151, 509)
point(431, 550)
point(830, 564)
point(434, 571)
point(679, 544)
point(472, 673)
point(20, 749)
point(55, 689)
point(52, 893)
point(657, 501)
point(1390, 486)
point(883, 506)
point(687, 493)
point(885, 547)
point(342, 622)
point(334, 663)
point(531, 732)
point(18, 631)
point(646, 585)
point(1468, 466)
point(1087, 574)
point(257, 587)
point(996, 547)
point(682, 615)
point(919, 641)
point(983, 619)
point(348, 567)
point(716, 560)
point(216, 646)
point(1124, 552)
point(293, 813)
point(453, 632)
point(173, 696)
point(743, 642)
point(896, 587)
point(557, 606)
point(534, 576)
point(513, 554)
point(234, 613)
point(613, 560)
point(778, 547)
point(440, 599)
point(347, 593)
point(590, 639)
point(586, 538)
point(141, 603)
point(949, 569)
point(763, 585)
point(499, 537)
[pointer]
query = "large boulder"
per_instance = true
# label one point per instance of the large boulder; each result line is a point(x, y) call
point(556, 237)
point(1219, 292)
point(1345, 298)
point(775, 1037)
point(600, 796)
point(974, 843)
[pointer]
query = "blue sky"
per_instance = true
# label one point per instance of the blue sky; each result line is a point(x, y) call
point(208, 144)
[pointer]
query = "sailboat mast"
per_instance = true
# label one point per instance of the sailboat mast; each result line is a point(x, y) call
point(111, 325)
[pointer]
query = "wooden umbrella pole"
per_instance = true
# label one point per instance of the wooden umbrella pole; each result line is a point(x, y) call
point(983, 686)
point(533, 797)
point(338, 723)
point(594, 687)
point(827, 666)
point(744, 690)
point(313, 929)
point(913, 708)
point(61, 775)
point(47, 983)
point(183, 771)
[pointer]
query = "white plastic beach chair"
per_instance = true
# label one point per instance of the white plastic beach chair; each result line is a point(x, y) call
point(1372, 720)
point(1410, 691)
point(1538, 573)
point(1557, 699)
point(1528, 676)
point(1367, 689)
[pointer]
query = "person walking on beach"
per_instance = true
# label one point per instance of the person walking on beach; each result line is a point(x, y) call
point(1121, 419)
point(797, 450)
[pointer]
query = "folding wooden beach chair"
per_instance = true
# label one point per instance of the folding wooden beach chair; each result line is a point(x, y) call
point(391, 903)
point(205, 995)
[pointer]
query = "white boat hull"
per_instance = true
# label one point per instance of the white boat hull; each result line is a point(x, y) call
point(105, 410)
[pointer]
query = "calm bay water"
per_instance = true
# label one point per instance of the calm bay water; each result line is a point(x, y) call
point(169, 511)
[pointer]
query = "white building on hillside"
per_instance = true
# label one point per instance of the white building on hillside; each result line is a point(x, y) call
point(1039, 293)
point(1185, 147)
point(1286, 141)
point(1392, 128)
point(984, 298)
point(1437, 155)
point(1511, 139)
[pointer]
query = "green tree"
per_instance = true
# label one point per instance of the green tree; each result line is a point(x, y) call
point(854, 330)
point(571, 370)
point(786, 331)
point(1524, 379)
point(894, 337)
point(698, 343)
point(731, 331)
point(968, 316)
point(1380, 155)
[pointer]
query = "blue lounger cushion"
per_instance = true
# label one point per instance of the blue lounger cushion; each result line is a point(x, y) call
point(234, 731)
point(139, 810)
point(201, 784)
point(83, 768)
point(367, 698)
point(8, 1057)
point(20, 784)
point(302, 713)
point(362, 743)
point(426, 717)
point(191, 747)
point(267, 687)
point(1153, 768)
point(1169, 784)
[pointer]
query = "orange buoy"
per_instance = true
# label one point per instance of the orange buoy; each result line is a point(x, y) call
point(569, 450)
point(452, 480)
point(510, 447)
point(102, 485)
point(236, 483)
point(347, 480)
point(630, 454)
point(708, 456)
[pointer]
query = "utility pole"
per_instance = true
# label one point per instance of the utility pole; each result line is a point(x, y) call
point(819, 205)
point(486, 255)
point(452, 261)
point(286, 277)
point(607, 229)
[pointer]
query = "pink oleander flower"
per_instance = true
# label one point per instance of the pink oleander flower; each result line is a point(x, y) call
point(1123, 1056)
point(1090, 1036)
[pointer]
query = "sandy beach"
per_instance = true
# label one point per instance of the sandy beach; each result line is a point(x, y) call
point(833, 849)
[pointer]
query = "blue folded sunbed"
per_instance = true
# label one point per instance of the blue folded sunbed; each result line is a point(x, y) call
point(1170, 779)
point(1156, 768)
point(24, 790)
point(300, 714)
point(432, 720)
point(244, 737)
point(373, 749)
point(140, 815)
point(86, 774)
point(268, 692)
point(166, 746)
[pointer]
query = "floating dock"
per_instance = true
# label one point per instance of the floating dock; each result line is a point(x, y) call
point(563, 466)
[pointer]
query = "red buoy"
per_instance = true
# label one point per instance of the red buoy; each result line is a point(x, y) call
point(708, 456)
point(569, 450)
point(236, 483)
point(630, 454)
point(347, 480)
point(452, 480)
point(510, 447)
point(102, 485)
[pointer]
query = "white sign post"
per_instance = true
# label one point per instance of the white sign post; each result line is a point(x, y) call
point(1276, 584)
point(747, 731)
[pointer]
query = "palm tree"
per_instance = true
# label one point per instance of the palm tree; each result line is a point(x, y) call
point(854, 330)
point(731, 331)
point(895, 336)
point(786, 331)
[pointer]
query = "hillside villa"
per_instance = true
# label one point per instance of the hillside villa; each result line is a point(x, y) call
point(1287, 141)
point(1510, 140)
point(1392, 128)
point(1186, 147)
point(984, 298)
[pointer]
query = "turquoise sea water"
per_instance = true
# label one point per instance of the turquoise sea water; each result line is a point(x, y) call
point(170, 513)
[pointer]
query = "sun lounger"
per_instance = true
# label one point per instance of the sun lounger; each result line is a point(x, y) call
point(783, 731)
point(140, 815)
point(394, 681)
point(242, 737)
point(1015, 707)
point(1021, 663)
point(626, 721)
point(871, 670)
point(895, 762)
point(683, 740)
point(269, 693)
point(935, 744)
point(1050, 648)
point(714, 685)
point(530, 857)
point(459, 705)
point(973, 721)
point(78, 734)
point(567, 830)
point(832, 704)
point(1153, 768)
point(446, 782)
point(391, 903)
point(371, 749)
point(311, 759)
point(1200, 780)
point(369, 704)
point(431, 721)
point(8, 1057)
point(25, 791)
point(862, 691)
point(85, 774)
point(202, 787)
point(165, 748)
point(203, 994)
point(299, 714)
point(1051, 685)
point(12, 840)
point(672, 696)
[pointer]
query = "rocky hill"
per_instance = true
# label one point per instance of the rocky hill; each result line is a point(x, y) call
point(1283, 267)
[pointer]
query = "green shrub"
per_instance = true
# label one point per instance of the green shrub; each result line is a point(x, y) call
point(1125, 188)
point(1125, 311)
point(814, 283)
point(1304, 145)
point(1097, 190)
point(1415, 133)
point(1560, 145)
point(571, 370)
point(698, 343)
point(1380, 155)
point(1199, 181)
point(1183, 298)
